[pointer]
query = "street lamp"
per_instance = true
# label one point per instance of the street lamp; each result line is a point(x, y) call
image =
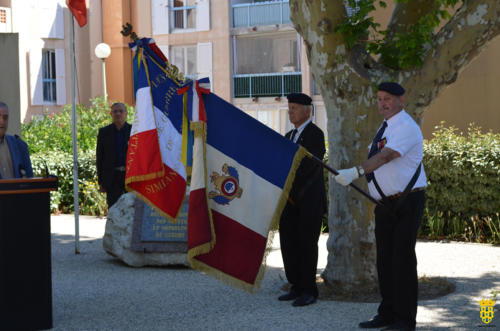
point(102, 51)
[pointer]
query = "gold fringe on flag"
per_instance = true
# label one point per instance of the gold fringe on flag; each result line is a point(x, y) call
point(200, 132)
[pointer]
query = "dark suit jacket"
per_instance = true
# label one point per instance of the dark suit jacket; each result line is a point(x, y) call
point(20, 156)
point(309, 182)
point(105, 153)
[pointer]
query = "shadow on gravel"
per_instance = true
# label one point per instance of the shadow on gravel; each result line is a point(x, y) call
point(429, 288)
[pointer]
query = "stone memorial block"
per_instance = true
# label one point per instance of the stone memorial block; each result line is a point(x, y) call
point(155, 233)
point(138, 236)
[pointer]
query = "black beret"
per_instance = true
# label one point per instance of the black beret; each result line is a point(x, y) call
point(392, 88)
point(300, 98)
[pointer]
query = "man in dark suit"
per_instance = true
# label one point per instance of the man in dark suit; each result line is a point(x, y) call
point(111, 154)
point(14, 155)
point(300, 223)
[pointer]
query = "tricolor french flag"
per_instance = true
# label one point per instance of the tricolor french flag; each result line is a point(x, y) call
point(242, 174)
point(154, 168)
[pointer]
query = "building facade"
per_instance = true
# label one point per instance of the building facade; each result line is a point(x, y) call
point(248, 48)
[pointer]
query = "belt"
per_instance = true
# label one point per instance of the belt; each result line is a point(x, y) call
point(398, 195)
point(122, 168)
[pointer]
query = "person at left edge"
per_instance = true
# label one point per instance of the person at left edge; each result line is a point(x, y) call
point(111, 154)
point(14, 154)
point(300, 223)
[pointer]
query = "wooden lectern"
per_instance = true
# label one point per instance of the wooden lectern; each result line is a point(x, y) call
point(25, 254)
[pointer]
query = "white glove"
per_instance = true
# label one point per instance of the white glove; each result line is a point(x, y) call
point(346, 176)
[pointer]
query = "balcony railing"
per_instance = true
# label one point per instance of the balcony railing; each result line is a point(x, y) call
point(261, 13)
point(267, 85)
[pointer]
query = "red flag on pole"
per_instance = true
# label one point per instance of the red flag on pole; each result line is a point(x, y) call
point(79, 9)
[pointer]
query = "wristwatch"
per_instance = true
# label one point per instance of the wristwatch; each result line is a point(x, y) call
point(361, 171)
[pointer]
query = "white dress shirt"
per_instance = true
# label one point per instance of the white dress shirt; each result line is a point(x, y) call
point(404, 136)
point(300, 129)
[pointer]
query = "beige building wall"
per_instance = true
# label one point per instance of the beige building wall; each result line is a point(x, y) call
point(472, 98)
point(119, 78)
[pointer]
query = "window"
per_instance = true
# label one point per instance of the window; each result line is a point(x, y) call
point(184, 57)
point(3, 16)
point(267, 54)
point(350, 10)
point(177, 16)
point(49, 76)
point(183, 14)
point(5, 25)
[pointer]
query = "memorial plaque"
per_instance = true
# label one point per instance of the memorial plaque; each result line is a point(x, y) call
point(155, 233)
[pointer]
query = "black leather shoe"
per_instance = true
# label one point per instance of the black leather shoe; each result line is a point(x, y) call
point(304, 300)
point(398, 326)
point(376, 322)
point(292, 295)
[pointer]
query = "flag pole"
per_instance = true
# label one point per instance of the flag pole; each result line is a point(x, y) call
point(335, 172)
point(75, 155)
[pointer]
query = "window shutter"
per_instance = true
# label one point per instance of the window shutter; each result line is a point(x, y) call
point(51, 19)
point(60, 77)
point(203, 15)
point(204, 62)
point(36, 84)
point(160, 11)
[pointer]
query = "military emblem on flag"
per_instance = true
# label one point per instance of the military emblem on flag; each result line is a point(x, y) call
point(227, 185)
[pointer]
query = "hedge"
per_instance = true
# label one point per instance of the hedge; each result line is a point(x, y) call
point(463, 196)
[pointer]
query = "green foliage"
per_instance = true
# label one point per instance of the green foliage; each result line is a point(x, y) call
point(60, 164)
point(463, 196)
point(50, 140)
point(399, 50)
point(53, 132)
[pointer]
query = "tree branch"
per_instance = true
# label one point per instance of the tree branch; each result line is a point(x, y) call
point(456, 45)
point(406, 14)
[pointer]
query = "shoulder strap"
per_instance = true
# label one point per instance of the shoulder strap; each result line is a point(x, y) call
point(410, 185)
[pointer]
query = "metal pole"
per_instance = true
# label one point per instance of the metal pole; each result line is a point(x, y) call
point(104, 80)
point(335, 172)
point(75, 153)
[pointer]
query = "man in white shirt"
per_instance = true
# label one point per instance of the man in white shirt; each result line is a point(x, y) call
point(395, 177)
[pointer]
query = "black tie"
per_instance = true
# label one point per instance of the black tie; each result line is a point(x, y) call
point(294, 132)
point(374, 148)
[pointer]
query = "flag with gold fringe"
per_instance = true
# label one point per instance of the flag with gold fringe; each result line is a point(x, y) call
point(242, 174)
point(157, 164)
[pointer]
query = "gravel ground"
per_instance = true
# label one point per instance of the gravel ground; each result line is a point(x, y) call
point(93, 291)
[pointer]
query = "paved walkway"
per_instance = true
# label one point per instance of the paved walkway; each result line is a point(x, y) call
point(93, 291)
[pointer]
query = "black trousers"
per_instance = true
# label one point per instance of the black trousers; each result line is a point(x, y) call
point(117, 188)
point(300, 228)
point(396, 237)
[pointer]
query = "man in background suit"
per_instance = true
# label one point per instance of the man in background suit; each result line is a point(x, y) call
point(14, 155)
point(300, 223)
point(111, 154)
